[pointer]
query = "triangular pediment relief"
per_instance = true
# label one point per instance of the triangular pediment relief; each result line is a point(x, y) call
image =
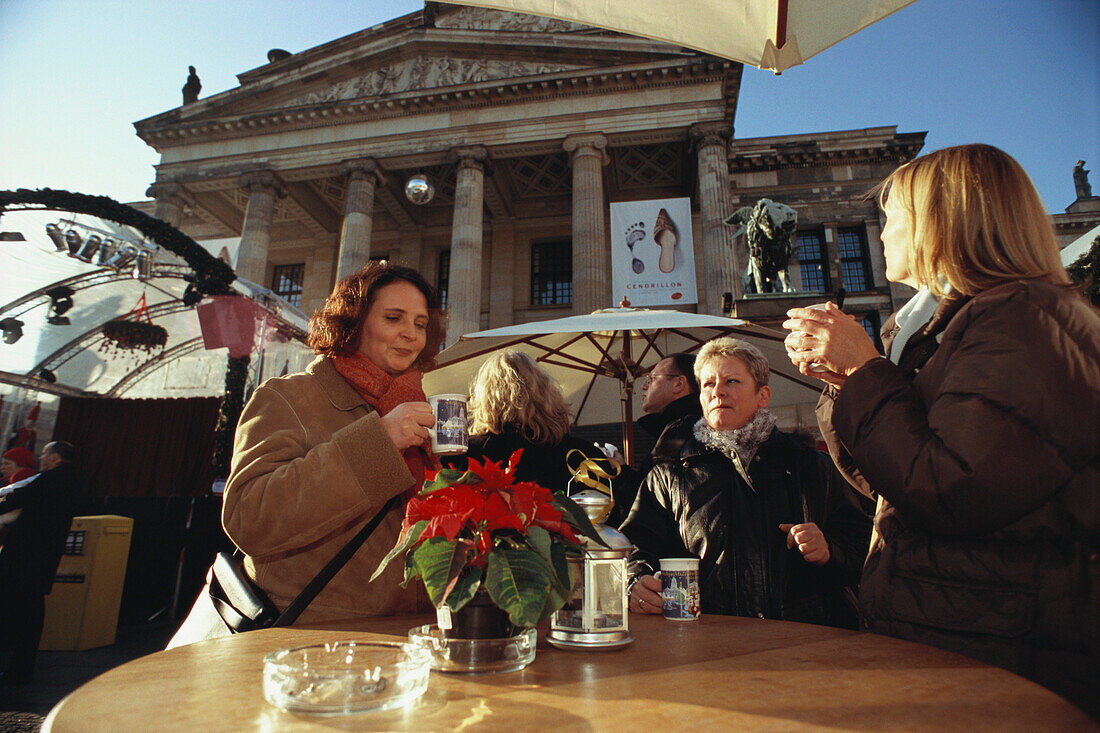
point(467, 18)
point(425, 72)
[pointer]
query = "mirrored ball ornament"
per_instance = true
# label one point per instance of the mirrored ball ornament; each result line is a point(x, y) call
point(419, 189)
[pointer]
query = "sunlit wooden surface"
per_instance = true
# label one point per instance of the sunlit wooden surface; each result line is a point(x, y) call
point(718, 673)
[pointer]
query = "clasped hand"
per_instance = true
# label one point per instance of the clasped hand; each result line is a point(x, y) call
point(408, 423)
point(810, 540)
point(830, 338)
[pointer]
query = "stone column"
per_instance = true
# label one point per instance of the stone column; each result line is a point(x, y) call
point(171, 198)
point(722, 263)
point(464, 284)
point(362, 176)
point(262, 187)
point(591, 269)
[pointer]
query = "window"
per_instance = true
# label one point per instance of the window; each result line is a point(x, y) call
point(872, 324)
point(287, 283)
point(855, 267)
point(552, 272)
point(811, 261)
point(443, 276)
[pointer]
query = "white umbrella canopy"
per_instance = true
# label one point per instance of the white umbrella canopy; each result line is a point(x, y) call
point(768, 34)
point(596, 365)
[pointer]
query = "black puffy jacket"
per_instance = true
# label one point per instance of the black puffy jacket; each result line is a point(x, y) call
point(697, 504)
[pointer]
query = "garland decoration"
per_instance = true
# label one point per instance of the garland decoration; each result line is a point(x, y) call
point(131, 333)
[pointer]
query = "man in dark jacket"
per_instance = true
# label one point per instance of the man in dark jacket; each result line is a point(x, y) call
point(778, 533)
point(31, 552)
point(670, 397)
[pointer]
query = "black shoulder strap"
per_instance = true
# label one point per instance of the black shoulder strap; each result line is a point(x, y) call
point(315, 586)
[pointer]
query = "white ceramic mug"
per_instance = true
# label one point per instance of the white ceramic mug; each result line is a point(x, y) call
point(449, 436)
point(680, 588)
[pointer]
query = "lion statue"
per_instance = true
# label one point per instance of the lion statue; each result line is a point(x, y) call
point(768, 227)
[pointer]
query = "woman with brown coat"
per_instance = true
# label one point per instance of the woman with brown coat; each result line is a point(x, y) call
point(979, 433)
point(317, 454)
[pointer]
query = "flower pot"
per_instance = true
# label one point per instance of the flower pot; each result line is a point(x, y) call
point(480, 619)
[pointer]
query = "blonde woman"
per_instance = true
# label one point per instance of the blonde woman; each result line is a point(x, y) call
point(978, 431)
point(515, 404)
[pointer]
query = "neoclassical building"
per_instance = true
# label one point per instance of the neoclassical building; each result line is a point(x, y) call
point(528, 128)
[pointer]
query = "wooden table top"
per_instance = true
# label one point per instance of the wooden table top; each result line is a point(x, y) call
point(717, 673)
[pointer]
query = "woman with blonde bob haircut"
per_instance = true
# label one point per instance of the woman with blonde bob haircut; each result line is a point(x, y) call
point(977, 433)
point(515, 404)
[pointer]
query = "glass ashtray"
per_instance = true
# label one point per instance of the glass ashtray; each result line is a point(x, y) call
point(475, 655)
point(346, 677)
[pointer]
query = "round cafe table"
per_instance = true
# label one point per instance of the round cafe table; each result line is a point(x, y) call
point(717, 673)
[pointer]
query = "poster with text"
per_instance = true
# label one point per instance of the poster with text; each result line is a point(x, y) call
point(652, 257)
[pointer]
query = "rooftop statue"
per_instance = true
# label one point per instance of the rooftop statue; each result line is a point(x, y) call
point(193, 86)
point(1081, 181)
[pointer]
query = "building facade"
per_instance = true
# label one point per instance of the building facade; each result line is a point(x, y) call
point(528, 128)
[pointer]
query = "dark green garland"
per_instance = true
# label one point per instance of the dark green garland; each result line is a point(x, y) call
point(212, 275)
point(1086, 272)
point(236, 375)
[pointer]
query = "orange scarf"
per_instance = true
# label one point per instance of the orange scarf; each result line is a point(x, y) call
point(383, 392)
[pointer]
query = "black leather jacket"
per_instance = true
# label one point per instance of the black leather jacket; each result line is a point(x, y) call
point(697, 504)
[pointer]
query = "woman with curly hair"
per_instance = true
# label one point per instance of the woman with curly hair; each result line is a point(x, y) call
point(317, 454)
point(515, 404)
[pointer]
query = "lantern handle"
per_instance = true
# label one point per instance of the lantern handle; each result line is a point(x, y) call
point(590, 473)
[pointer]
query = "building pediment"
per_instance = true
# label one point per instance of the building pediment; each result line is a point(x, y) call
point(455, 49)
point(425, 72)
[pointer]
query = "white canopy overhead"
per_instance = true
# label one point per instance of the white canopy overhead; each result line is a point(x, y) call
point(768, 34)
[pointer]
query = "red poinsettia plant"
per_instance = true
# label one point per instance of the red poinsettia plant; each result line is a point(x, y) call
point(482, 527)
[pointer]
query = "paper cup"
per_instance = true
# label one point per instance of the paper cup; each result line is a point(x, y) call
point(680, 588)
point(449, 435)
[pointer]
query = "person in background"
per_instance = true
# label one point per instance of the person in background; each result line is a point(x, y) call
point(318, 453)
point(30, 555)
point(978, 432)
point(16, 465)
point(515, 404)
point(670, 401)
point(777, 532)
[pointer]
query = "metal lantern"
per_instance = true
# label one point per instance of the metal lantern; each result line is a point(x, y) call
point(596, 617)
point(419, 189)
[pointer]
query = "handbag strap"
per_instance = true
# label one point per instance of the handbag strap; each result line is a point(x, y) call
point(315, 586)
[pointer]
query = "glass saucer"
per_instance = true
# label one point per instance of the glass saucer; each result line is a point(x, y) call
point(346, 677)
point(475, 655)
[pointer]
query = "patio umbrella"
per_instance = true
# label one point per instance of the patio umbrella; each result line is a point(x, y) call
point(768, 34)
point(596, 358)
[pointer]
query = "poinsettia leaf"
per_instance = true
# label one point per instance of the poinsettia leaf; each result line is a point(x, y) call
point(465, 588)
point(408, 539)
point(518, 581)
point(576, 518)
point(539, 540)
point(563, 571)
point(555, 599)
point(439, 561)
point(444, 478)
point(412, 570)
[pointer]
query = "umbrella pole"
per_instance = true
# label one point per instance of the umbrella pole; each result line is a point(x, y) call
point(628, 404)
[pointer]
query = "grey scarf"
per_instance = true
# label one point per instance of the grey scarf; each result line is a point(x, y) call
point(743, 441)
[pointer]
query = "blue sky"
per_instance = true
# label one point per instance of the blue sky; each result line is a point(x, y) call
point(1023, 75)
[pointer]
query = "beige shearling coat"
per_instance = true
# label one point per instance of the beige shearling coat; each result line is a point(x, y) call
point(311, 465)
